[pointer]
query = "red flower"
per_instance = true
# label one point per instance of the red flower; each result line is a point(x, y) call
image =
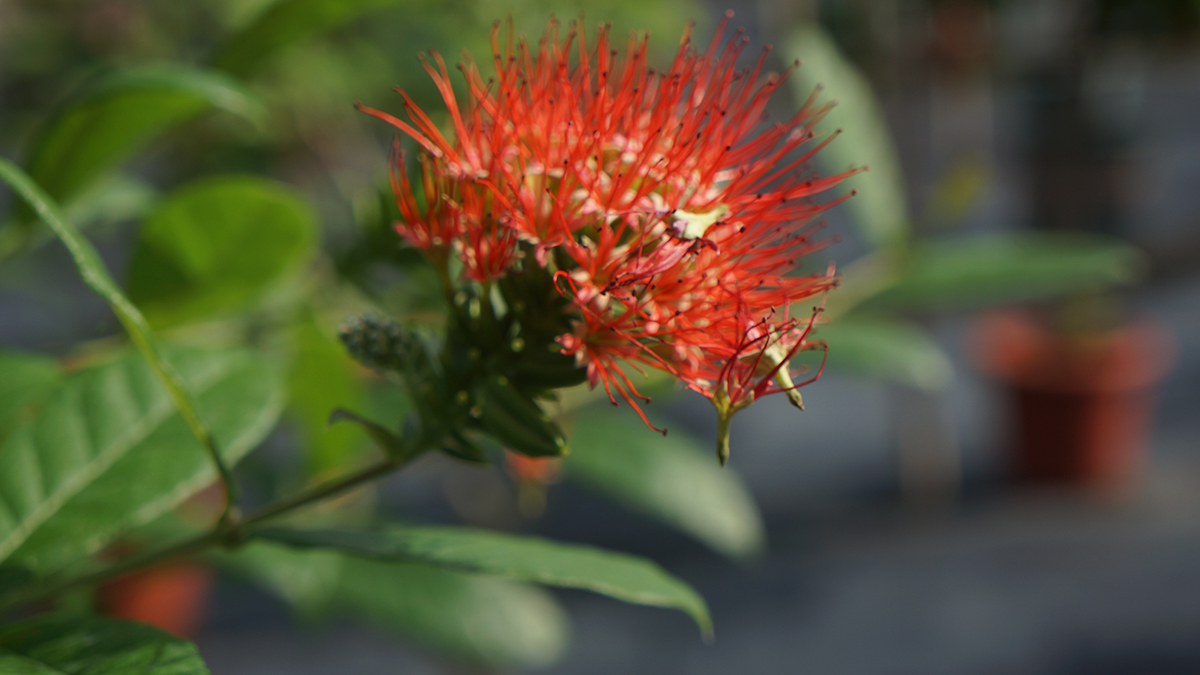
point(681, 213)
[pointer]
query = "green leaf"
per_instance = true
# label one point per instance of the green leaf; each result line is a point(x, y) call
point(670, 479)
point(323, 378)
point(109, 452)
point(1002, 269)
point(880, 209)
point(894, 351)
point(14, 579)
point(478, 620)
point(95, 275)
point(91, 268)
point(13, 664)
point(115, 198)
point(534, 559)
point(60, 644)
point(121, 111)
point(25, 379)
point(284, 23)
point(308, 580)
point(216, 245)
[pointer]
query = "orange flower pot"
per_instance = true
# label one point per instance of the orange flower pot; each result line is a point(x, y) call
point(1083, 406)
point(170, 597)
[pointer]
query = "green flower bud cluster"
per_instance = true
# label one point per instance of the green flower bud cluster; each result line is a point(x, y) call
point(485, 374)
point(379, 344)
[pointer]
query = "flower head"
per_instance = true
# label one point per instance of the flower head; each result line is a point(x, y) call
point(672, 215)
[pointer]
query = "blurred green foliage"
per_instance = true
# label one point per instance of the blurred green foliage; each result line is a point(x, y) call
point(217, 245)
point(218, 137)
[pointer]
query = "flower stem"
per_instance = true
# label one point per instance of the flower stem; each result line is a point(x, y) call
point(325, 490)
point(723, 438)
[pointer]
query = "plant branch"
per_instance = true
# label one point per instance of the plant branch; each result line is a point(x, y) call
point(324, 491)
point(134, 562)
point(226, 533)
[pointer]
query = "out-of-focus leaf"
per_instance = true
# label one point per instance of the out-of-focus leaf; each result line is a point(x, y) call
point(307, 580)
point(90, 266)
point(60, 644)
point(95, 275)
point(216, 245)
point(670, 479)
point(880, 209)
point(286, 22)
point(472, 619)
point(113, 199)
point(25, 379)
point(322, 379)
point(521, 558)
point(13, 579)
point(16, 664)
point(108, 451)
point(981, 271)
point(887, 350)
point(120, 112)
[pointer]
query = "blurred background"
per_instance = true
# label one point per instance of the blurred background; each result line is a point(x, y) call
point(997, 473)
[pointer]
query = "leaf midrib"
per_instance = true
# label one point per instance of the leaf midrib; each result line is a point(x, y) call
point(155, 417)
point(235, 447)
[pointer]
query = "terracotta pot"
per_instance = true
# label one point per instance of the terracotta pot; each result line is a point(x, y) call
point(1083, 406)
point(171, 597)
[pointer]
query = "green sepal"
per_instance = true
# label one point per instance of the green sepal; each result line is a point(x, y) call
point(515, 421)
point(459, 446)
point(389, 442)
point(546, 370)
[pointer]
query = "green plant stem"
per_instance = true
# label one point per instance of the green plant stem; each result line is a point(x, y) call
point(324, 491)
point(132, 563)
point(228, 532)
point(187, 410)
point(95, 276)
